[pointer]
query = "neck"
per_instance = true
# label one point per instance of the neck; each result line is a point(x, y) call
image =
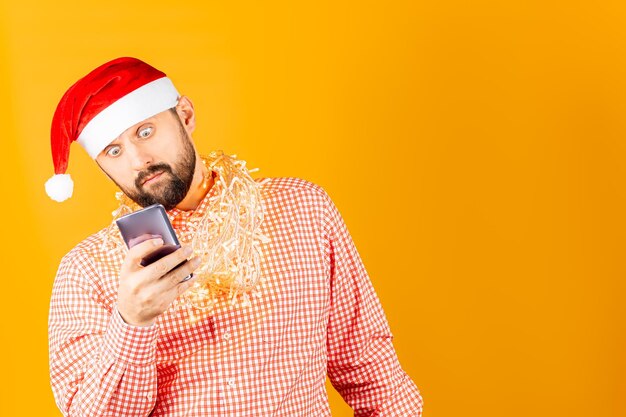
point(200, 185)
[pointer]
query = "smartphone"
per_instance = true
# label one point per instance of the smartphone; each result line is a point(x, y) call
point(151, 220)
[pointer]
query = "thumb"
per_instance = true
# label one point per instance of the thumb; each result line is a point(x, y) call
point(141, 246)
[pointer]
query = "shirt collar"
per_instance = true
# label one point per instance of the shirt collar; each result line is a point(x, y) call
point(178, 216)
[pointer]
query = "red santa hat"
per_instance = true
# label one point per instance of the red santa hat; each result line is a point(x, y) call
point(101, 106)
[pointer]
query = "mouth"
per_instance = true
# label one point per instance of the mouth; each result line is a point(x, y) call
point(152, 178)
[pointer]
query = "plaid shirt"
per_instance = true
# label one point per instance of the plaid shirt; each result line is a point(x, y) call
point(317, 315)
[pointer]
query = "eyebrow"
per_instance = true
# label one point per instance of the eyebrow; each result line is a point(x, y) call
point(139, 125)
point(112, 143)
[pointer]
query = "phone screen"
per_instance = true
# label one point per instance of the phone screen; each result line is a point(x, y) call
point(145, 224)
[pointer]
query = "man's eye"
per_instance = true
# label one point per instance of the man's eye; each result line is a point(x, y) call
point(114, 151)
point(145, 132)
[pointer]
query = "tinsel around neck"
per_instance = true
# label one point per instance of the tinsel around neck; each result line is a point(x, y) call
point(226, 235)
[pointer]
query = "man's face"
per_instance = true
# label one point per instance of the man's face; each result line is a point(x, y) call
point(152, 161)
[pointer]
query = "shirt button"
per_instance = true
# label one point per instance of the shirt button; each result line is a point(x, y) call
point(231, 382)
point(149, 395)
point(226, 336)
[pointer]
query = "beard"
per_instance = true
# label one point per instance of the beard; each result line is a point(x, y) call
point(175, 181)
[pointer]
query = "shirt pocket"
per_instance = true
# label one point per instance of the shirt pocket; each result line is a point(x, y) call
point(288, 348)
point(278, 337)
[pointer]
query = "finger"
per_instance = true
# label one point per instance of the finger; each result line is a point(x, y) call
point(141, 250)
point(169, 293)
point(136, 240)
point(178, 275)
point(164, 265)
point(183, 286)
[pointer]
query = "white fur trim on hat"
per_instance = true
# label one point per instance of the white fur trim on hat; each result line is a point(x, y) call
point(59, 187)
point(136, 106)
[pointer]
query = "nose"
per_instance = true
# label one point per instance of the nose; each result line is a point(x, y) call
point(140, 159)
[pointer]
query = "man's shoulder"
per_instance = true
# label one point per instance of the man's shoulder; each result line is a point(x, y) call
point(292, 187)
point(87, 249)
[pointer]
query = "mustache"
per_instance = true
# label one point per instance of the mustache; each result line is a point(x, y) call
point(152, 169)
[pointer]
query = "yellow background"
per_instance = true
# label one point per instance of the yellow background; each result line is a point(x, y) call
point(476, 150)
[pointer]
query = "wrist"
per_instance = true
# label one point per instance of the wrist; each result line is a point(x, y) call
point(133, 321)
point(129, 343)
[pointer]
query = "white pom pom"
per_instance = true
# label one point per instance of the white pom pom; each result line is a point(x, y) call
point(59, 187)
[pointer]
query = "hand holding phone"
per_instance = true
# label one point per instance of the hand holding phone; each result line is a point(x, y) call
point(155, 270)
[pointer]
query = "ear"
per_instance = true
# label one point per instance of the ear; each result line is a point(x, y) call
point(186, 113)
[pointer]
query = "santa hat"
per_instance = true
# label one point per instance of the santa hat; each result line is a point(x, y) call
point(101, 106)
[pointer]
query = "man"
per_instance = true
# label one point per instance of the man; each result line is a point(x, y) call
point(254, 335)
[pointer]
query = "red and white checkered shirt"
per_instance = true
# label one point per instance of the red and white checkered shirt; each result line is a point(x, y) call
point(317, 315)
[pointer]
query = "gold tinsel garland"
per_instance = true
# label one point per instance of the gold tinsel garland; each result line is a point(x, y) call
point(226, 236)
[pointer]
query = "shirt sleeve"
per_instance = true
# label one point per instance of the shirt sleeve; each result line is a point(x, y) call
point(362, 362)
point(99, 365)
